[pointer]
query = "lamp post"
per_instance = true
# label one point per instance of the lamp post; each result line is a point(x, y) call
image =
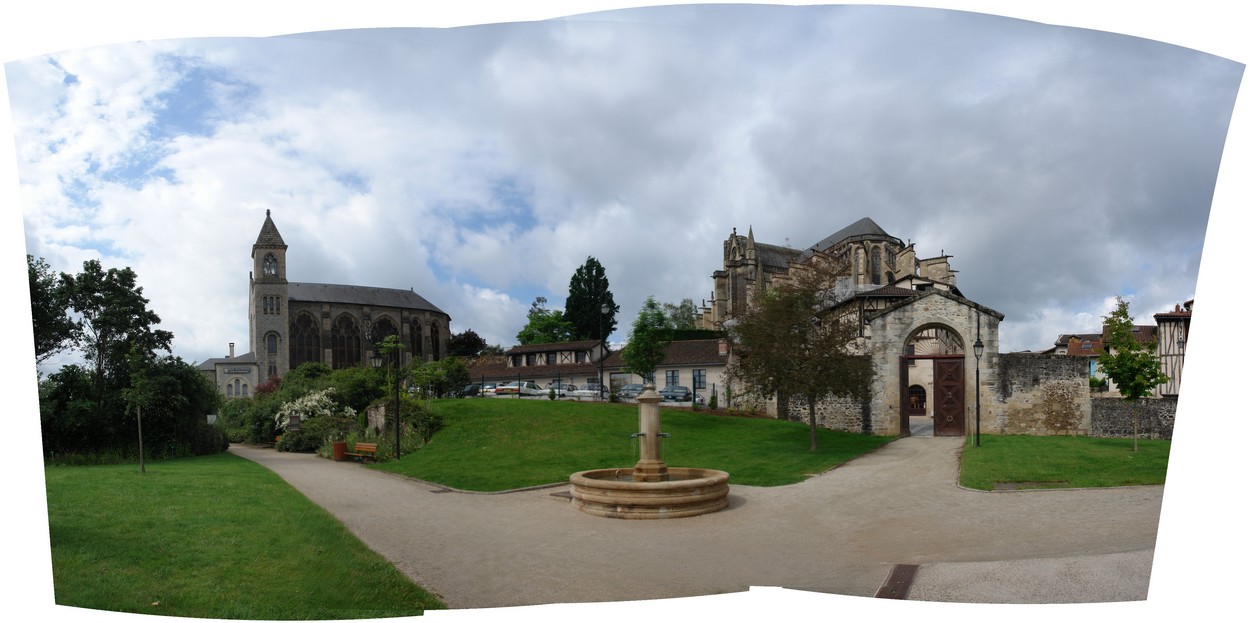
point(376, 360)
point(603, 339)
point(977, 349)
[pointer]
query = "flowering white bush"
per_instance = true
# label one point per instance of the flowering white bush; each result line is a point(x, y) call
point(310, 406)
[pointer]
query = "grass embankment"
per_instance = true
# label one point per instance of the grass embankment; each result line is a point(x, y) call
point(495, 444)
point(1053, 462)
point(212, 537)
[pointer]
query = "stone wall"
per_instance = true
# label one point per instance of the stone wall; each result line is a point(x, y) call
point(1112, 418)
point(1040, 395)
point(836, 413)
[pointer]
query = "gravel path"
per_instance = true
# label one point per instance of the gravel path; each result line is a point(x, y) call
point(840, 532)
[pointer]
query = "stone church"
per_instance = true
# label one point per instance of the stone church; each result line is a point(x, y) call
point(918, 329)
point(290, 323)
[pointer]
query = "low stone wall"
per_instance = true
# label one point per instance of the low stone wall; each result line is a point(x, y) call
point(1041, 395)
point(1112, 418)
point(836, 413)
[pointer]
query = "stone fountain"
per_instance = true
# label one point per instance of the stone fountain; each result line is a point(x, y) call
point(650, 489)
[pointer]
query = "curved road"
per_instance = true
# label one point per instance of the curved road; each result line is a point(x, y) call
point(840, 532)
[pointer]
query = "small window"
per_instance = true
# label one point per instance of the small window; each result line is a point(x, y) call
point(700, 379)
point(531, 359)
point(671, 377)
point(551, 359)
point(581, 356)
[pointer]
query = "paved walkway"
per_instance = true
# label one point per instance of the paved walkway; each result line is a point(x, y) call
point(841, 532)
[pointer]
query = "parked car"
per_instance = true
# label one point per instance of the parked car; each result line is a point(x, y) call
point(589, 390)
point(508, 389)
point(630, 391)
point(562, 388)
point(488, 389)
point(470, 391)
point(530, 388)
point(676, 393)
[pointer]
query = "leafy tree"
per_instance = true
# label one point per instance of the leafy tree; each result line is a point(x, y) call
point(115, 319)
point(588, 292)
point(648, 340)
point(545, 326)
point(466, 344)
point(681, 316)
point(1130, 364)
point(790, 343)
point(54, 329)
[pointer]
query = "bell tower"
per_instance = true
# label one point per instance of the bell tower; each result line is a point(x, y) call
point(267, 302)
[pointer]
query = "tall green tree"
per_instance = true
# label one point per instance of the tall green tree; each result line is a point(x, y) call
point(467, 343)
point(792, 344)
point(648, 340)
point(681, 316)
point(1131, 364)
point(54, 329)
point(115, 318)
point(588, 292)
point(545, 326)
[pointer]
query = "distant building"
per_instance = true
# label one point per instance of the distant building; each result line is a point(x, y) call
point(290, 323)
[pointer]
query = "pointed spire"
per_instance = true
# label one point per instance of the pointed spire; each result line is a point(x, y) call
point(269, 236)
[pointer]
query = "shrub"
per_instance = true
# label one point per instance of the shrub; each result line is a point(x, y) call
point(551, 394)
point(711, 402)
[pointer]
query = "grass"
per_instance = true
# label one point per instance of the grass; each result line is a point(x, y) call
point(498, 444)
point(1055, 462)
point(212, 537)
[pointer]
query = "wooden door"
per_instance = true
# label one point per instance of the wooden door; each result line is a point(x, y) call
point(948, 397)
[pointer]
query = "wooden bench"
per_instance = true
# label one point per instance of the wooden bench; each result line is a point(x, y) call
point(364, 451)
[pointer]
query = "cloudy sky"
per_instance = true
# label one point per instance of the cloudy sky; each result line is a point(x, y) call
point(1058, 166)
point(482, 165)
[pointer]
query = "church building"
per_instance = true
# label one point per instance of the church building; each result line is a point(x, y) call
point(933, 351)
point(290, 323)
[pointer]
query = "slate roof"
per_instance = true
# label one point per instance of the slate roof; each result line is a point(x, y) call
point(358, 295)
point(864, 227)
point(210, 365)
point(269, 236)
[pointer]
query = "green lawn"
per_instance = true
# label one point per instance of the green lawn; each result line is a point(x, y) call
point(212, 537)
point(495, 444)
point(1063, 462)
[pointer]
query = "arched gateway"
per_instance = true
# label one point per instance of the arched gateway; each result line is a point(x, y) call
point(932, 364)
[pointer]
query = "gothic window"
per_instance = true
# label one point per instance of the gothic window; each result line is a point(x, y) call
point(345, 342)
point(876, 265)
point(229, 390)
point(305, 340)
point(383, 328)
point(271, 344)
point(245, 390)
point(269, 266)
point(415, 338)
point(434, 341)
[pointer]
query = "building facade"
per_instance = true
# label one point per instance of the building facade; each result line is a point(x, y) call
point(291, 323)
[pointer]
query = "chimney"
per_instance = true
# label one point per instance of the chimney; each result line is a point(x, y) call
point(723, 347)
point(232, 350)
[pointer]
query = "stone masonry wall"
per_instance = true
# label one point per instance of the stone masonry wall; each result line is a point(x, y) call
point(836, 413)
point(1112, 418)
point(1041, 395)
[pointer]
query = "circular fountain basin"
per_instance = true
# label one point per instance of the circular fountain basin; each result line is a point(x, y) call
point(689, 491)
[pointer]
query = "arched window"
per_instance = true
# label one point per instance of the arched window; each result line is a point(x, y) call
point(434, 340)
point(271, 344)
point(269, 266)
point(229, 390)
point(345, 342)
point(415, 339)
point(245, 390)
point(382, 329)
point(304, 341)
point(876, 265)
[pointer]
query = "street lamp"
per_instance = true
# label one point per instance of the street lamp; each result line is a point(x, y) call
point(376, 360)
point(978, 348)
point(603, 312)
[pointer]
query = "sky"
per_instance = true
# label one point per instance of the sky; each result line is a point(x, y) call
point(482, 165)
point(480, 160)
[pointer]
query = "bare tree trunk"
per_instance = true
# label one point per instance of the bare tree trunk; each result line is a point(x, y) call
point(139, 413)
point(811, 420)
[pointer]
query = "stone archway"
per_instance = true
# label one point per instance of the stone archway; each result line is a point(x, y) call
point(933, 360)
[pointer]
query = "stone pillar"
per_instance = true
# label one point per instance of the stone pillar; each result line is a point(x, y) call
point(650, 468)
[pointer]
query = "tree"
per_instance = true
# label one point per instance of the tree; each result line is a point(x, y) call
point(588, 292)
point(545, 326)
point(466, 344)
point(1131, 364)
point(648, 340)
point(792, 343)
point(681, 316)
point(54, 329)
